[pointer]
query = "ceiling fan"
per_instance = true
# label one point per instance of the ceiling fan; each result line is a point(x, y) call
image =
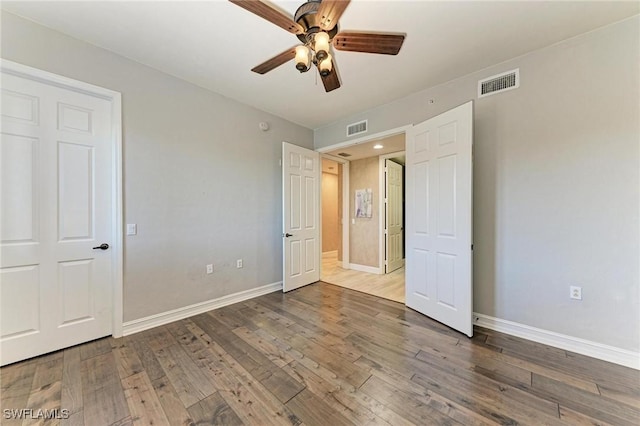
point(315, 23)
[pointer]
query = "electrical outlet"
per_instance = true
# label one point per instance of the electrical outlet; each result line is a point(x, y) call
point(575, 292)
point(239, 263)
point(209, 269)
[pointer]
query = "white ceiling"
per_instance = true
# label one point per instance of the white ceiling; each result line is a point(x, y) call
point(214, 44)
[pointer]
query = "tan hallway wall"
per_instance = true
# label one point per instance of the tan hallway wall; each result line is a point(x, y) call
point(330, 213)
point(363, 237)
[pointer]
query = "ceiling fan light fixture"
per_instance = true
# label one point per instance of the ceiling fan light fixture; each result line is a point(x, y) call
point(303, 59)
point(325, 66)
point(321, 46)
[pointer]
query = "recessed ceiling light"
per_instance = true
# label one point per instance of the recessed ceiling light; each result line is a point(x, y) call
point(378, 146)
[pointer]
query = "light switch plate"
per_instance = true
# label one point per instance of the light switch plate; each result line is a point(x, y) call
point(132, 229)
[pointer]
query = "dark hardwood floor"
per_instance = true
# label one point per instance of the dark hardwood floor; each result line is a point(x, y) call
point(320, 355)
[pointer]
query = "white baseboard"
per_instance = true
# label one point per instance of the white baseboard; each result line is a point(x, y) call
point(364, 268)
point(574, 344)
point(141, 324)
point(330, 253)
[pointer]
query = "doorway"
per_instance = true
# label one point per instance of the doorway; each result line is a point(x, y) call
point(332, 205)
point(392, 205)
point(438, 243)
point(364, 268)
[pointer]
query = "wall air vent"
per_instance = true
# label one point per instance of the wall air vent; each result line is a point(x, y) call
point(499, 83)
point(344, 154)
point(357, 128)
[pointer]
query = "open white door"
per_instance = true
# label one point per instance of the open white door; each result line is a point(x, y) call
point(439, 218)
point(393, 217)
point(301, 216)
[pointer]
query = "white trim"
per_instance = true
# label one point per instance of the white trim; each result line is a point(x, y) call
point(35, 74)
point(346, 224)
point(319, 198)
point(141, 324)
point(574, 344)
point(118, 216)
point(382, 212)
point(365, 268)
point(368, 138)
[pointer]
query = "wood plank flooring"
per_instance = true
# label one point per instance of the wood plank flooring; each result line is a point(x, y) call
point(388, 286)
point(320, 355)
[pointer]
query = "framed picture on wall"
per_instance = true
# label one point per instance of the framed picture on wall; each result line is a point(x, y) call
point(364, 203)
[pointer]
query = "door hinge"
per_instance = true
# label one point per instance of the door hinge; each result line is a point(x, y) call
point(471, 247)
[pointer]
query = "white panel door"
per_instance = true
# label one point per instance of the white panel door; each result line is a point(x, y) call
point(301, 216)
point(56, 206)
point(394, 217)
point(439, 218)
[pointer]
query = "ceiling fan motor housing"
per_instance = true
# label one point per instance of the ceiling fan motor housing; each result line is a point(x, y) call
point(307, 17)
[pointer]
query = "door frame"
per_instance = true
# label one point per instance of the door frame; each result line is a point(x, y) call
point(117, 229)
point(382, 261)
point(345, 207)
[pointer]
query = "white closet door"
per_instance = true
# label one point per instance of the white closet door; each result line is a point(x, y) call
point(56, 206)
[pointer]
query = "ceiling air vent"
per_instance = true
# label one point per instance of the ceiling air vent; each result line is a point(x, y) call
point(344, 154)
point(357, 128)
point(499, 83)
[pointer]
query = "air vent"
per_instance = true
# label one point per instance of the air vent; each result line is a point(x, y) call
point(344, 154)
point(499, 83)
point(357, 128)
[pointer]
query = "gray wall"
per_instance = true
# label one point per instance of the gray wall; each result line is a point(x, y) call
point(556, 184)
point(200, 179)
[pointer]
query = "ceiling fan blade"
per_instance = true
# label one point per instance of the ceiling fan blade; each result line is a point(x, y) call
point(331, 81)
point(275, 62)
point(385, 43)
point(330, 11)
point(271, 14)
